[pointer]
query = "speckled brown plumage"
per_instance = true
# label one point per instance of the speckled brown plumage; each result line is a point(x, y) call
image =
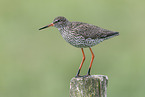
point(81, 35)
point(90, 31)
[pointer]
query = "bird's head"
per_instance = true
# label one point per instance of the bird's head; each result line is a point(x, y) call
point(58, 22)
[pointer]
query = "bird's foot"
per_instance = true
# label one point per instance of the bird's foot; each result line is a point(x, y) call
point(77, 76)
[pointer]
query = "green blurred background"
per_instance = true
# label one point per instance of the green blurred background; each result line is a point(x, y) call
point(37, 63)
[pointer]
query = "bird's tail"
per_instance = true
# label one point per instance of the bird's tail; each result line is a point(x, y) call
point(110, 35)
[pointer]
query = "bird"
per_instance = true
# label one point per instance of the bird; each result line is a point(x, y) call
point(81, 35)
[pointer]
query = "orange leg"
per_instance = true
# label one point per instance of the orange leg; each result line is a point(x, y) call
point(81, 63)
point(91, 61)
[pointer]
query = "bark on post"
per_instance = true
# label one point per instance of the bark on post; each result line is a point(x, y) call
point(91, 86)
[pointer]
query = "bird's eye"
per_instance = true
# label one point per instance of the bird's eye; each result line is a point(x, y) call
point(57, 21)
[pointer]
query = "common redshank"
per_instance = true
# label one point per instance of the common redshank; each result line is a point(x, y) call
point(81, 35)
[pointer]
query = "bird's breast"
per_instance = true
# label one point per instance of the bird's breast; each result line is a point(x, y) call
point(78, 40)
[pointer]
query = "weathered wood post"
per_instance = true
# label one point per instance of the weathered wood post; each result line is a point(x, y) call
point(91, 86)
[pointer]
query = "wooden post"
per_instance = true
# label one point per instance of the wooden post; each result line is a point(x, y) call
point(91, 86)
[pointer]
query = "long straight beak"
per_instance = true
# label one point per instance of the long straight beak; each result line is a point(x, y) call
point(47, 26)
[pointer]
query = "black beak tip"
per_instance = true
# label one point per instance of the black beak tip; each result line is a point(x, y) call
point(40, 29)
point(43, 27)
